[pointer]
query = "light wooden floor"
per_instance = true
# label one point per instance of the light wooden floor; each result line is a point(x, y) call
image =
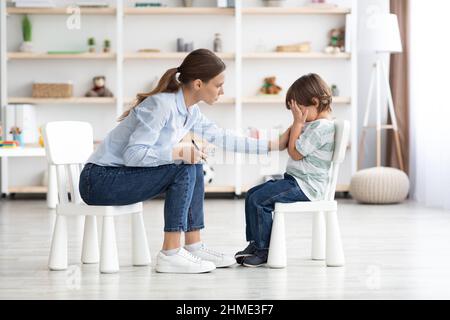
point(392, 252)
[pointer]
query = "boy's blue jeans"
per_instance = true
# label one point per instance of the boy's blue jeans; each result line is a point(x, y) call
point(183, 185)
point(260, 203)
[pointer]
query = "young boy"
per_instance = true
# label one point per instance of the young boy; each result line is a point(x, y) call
point(310, 147)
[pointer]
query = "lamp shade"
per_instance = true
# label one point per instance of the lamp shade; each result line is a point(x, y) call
point(383, 33)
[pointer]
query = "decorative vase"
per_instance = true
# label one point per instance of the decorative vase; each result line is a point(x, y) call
point(26, 46)
point(188, 3)
point(19, 139)
point(217, 43)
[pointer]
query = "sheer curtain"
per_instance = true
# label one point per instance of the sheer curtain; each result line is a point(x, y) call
point(430, 102)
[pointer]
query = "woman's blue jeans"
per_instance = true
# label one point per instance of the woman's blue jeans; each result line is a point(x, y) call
point(182, 184)
point(260, 203)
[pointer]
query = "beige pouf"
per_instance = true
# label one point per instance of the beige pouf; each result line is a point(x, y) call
point(379, 185)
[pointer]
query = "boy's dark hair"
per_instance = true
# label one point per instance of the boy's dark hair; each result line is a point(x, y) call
point(310, 86)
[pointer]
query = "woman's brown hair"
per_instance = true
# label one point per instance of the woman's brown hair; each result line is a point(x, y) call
point(200, 64)
point(310, 86)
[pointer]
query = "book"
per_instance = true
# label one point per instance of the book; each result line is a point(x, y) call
point(35, 4)
point(92, 4)
point(67, 52)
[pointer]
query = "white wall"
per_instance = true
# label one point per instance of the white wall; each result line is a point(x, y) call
point(429, 104)
point(365, 61)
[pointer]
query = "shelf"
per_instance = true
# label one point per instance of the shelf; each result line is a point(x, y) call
point(295, 55)
point(280, 99)
point(336, 14)
point(179, 11)
point(223, 100)
point(28, 189)
point(75, 100)
point(208, 189)
point(34, 56)
point(129, 56)
point(85, 100)
point(169, 55)
point(313, 10)
point(244, 189)
point(27, 151)
point(186, 11)
point(342, 188)
point(219, 189)
point(43, 189)
point(61, 11)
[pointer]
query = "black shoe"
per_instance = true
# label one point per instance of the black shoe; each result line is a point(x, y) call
point(256, 260)
point(249, 251)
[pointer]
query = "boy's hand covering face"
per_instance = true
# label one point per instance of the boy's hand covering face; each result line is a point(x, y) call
point(299, 116)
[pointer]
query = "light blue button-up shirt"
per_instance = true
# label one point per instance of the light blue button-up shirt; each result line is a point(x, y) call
point(146, 137)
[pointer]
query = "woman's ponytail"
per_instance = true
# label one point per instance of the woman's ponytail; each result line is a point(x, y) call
point(167, 83)
point(200, 64)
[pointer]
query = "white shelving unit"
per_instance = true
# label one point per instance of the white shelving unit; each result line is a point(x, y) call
point(239, 58)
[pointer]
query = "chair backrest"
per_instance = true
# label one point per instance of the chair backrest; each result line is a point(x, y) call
point(68, 145)
point(341, 139)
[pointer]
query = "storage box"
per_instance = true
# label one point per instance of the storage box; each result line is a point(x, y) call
point(52, 90)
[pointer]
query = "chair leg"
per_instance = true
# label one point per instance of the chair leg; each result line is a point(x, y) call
point(109, 262)
point(89, 253)
point(334, 251)
point(318, 236)
point(52, 192)
point(58, 251)
point(141, 253)
point(277, 249)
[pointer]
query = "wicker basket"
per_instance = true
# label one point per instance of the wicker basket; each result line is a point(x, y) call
point(52, 90)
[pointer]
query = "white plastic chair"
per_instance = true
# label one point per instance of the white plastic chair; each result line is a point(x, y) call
point(68, 145)
point(326, 238)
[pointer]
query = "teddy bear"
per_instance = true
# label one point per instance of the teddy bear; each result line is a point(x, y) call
point(337, 41)
point(270, 86)
point(99, 89)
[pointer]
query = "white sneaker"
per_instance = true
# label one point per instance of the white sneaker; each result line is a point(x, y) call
point(221, 260)
point(182, 262)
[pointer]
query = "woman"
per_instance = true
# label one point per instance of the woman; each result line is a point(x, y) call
point(142, 157)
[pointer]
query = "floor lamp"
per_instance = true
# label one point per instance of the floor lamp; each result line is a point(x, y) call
point(384, 39)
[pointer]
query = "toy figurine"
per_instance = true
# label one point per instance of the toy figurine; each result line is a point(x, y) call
point(270, 86)
point(337, 41)
point(99, 89)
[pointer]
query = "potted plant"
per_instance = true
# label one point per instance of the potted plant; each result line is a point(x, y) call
point(188, 3)
point(17, 135)
point(27, 45)
point(107, 46)
point(91, 44)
